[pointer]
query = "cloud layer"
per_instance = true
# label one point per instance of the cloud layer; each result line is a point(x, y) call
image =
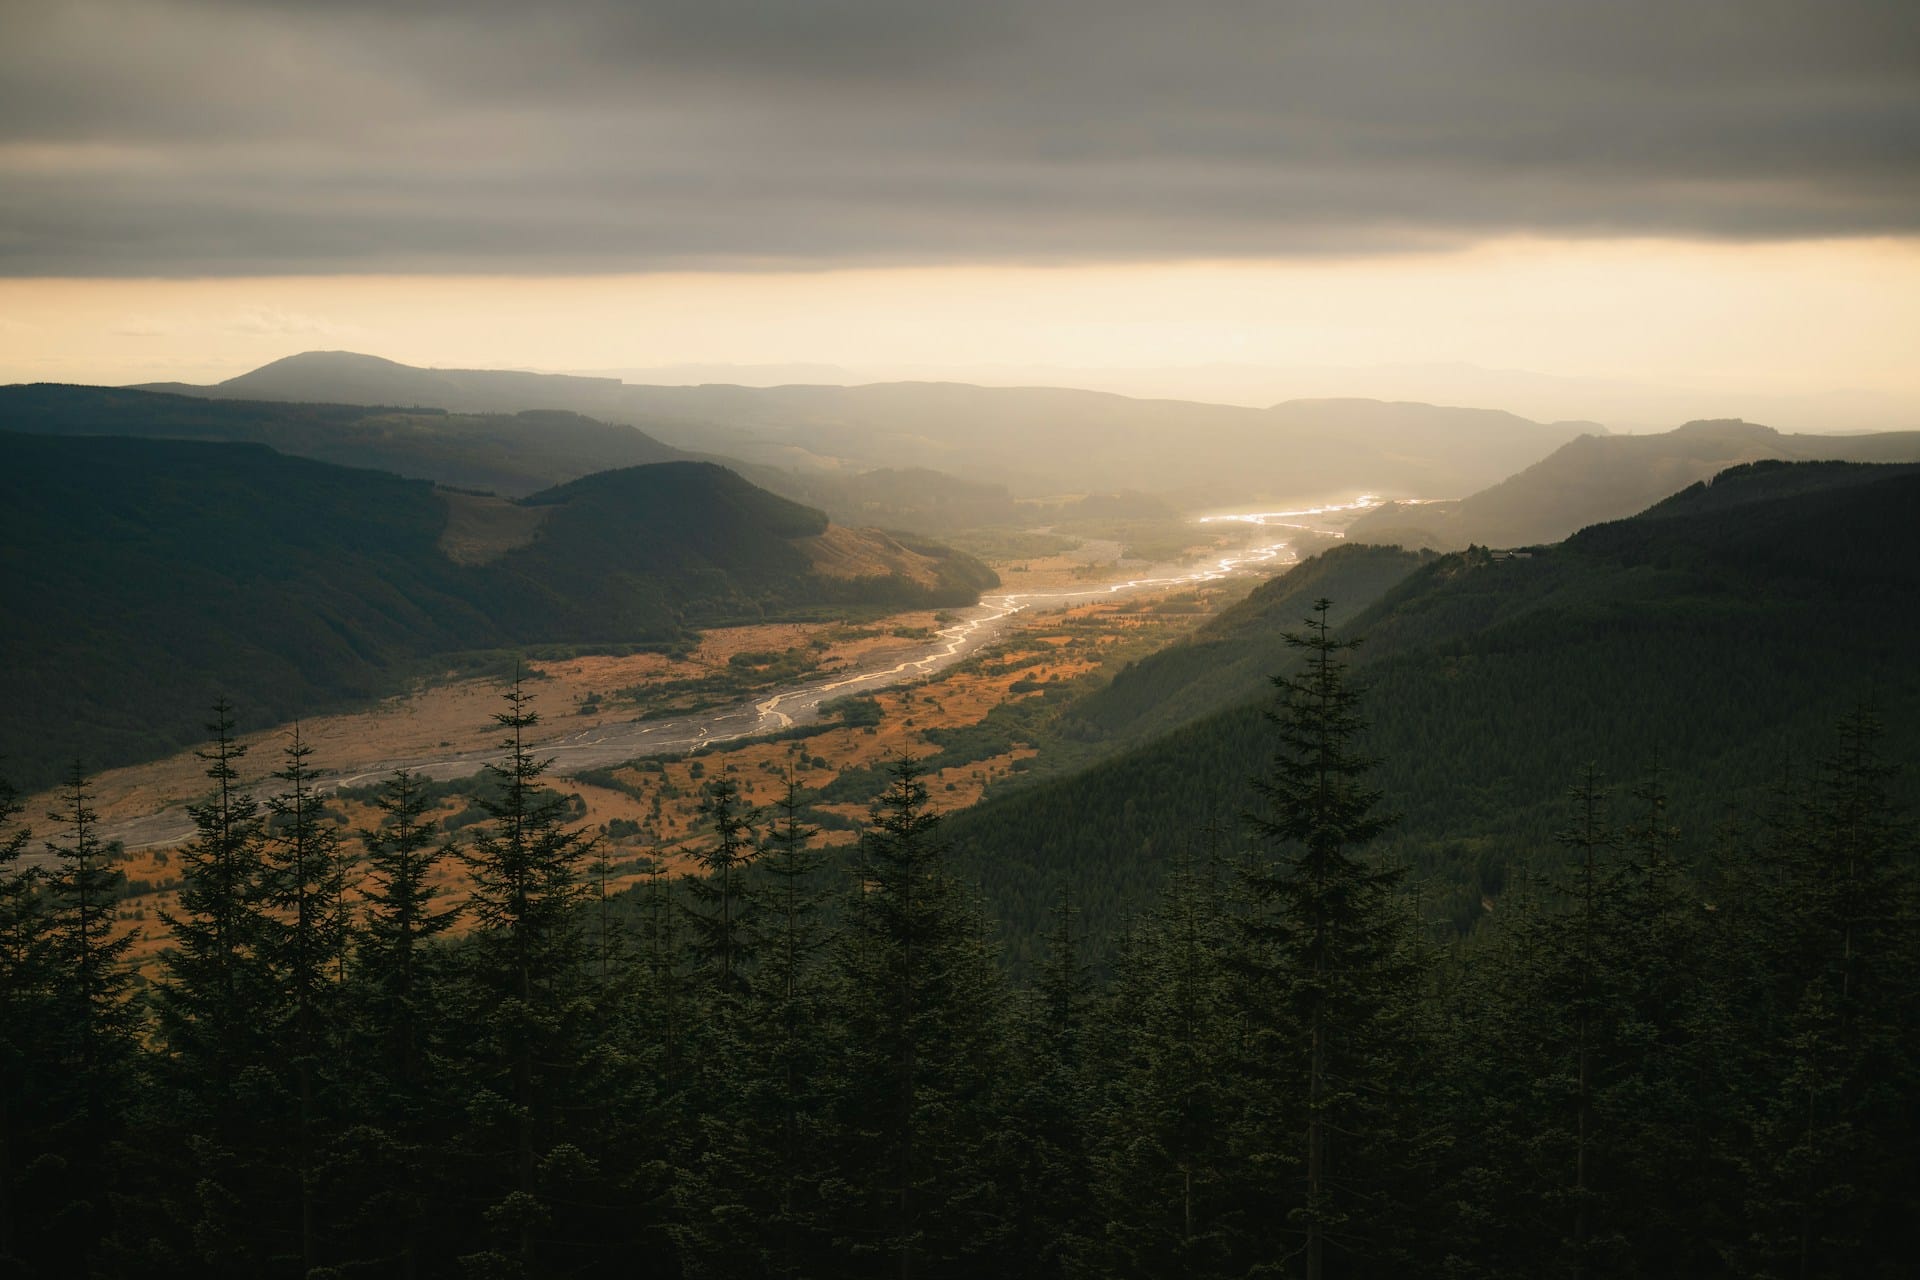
point(200, 137)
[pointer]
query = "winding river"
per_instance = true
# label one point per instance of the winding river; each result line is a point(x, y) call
point(801, 704)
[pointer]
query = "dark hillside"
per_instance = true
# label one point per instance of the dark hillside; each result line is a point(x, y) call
point(1596, 478)
point(1765, 481)
point(1722, 641)
point(512, 454)
point(145, 578)
point(1234, 656)
point(696, 541)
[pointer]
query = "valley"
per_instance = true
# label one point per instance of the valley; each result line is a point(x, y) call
point(906, 641)
point(1078, 687)
point(978, 692)
point(753, 702)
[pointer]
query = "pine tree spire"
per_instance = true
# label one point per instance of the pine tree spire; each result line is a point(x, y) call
point(1321, 954)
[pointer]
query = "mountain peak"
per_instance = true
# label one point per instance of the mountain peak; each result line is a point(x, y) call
point(1724, 429)
point(331, 360)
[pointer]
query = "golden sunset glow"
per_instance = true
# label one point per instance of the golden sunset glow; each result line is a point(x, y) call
point(1720, 320)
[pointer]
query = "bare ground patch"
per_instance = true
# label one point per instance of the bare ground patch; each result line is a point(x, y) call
point(867, 553)
point(481, 527)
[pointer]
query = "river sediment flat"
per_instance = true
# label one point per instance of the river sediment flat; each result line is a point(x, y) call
point(616, 742)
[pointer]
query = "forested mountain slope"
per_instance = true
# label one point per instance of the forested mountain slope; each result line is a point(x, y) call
point(1233, 657)
point(810, 1060)
point(1768, 480)
point(515, 454)
point(1596, 478)
point(1714, 639)
point(148, 577)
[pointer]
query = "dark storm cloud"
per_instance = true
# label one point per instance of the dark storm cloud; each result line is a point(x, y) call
point(184, 137)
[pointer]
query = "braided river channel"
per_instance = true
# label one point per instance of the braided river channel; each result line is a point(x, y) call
point(1268, 544)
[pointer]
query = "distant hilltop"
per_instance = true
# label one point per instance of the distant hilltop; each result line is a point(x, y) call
point(1596, 478)
point(1038, 441)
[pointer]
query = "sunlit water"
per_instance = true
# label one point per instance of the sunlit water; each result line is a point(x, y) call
point(972, 630)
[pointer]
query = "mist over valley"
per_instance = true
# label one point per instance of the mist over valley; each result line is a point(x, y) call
point(740, 642)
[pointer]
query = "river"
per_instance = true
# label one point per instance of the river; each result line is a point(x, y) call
point(972, 630)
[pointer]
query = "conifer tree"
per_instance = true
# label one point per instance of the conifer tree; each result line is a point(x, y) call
point(26, 1023)
point(1322, 957)
point(668, 994)
point(608, 940)
point(393, 959)
point(792, 934)
point(94, 1053)
point(1053, 1103)
point(527, 965)
point(719, 1232)
point(1165, 1178)
point(658, 1004)
point(718, 905)
point(206, 1005)
point(751, 1197)
point(90, 961)
point(1653, 1104)
point(1552, 1042)
point(67, 1039)
point(303, 938)
point(923, 1042)
point(220, 1056)
point(790, 1031)
point(1835, 1128)
point(1594, 894)
point(385, 1168)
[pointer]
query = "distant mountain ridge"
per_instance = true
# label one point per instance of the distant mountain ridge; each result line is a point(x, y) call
point(1038, 440)
point(320, 377)
point(1769, 480)
point(1599, 478)
point(516, 454)
point(148, 577)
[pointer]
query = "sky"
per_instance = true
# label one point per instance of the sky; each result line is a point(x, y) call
point(1715, 198)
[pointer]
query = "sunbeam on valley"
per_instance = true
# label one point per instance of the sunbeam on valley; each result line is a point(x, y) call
point(1089, 642)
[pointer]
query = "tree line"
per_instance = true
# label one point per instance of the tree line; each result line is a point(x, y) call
point(1659, 1056)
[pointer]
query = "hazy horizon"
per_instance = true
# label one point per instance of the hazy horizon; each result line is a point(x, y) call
point(1333, 813)
point(1618, 405)
point(1631, 216)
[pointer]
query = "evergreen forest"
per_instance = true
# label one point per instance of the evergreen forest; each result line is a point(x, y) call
point(1652, 1056)
point(923, 640)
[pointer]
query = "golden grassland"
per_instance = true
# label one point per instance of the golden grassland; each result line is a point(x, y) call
point(456, 715)
point(651, 818)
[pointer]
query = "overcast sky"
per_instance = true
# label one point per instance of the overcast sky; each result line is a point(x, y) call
point(161, 137)
point(198, 140)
